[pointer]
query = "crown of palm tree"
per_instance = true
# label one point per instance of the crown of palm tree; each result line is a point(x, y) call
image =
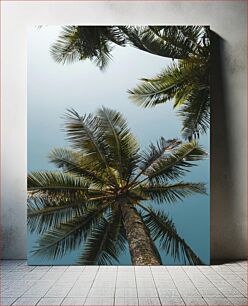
point(77, 43)
point(186, 81)
point(103, 194)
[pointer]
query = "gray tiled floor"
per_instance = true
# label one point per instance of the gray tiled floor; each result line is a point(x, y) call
point(91, 285)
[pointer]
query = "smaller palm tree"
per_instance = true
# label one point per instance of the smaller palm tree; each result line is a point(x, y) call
point(185, 82)
point(104, 198)
point(76, 43)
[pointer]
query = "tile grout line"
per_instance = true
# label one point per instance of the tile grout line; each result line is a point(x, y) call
point(195, 285)
point(97, 271)
point(211, 283)
point(72, 285)
point(39, 298)
point(155, 286)
point(136, 286)
point(116, 283)
point(35, 283)
point(176, 286)
point(230, 283)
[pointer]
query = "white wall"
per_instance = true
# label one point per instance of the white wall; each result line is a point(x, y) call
point(229, 104)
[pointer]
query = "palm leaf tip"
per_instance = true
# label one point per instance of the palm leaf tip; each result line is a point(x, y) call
point(163, 229)
point(176, 164)
point(171, 193)
point(156, 151)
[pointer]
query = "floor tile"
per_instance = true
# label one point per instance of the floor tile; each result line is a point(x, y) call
point(79, 291)
point(164, 292)
point(12, 293)
point(126, 283)
point(238, 301)
point(15, 275)
point(149, 301)
point(51, 275)
point(50, 301)
point(58, 291)
point(126, 301)
point(210, 292)
point(230, 292)
point(7, 301)
point(99, 301)
point(217, 301)
point(37, 291)
point(147, 292)
point(42, 268)
point(189, 293)
point(143, 282)
point(126, 292)
point(107, 292)
point(194, 301)
point(75, 269)
point(73, 301)
point(166, 301)
point(104, 283)
point(58, 268)
point(27, 301)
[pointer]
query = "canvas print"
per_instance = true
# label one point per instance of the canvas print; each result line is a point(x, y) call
point(118, 145)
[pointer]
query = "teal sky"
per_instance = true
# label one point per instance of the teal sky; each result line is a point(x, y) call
point(53, 87)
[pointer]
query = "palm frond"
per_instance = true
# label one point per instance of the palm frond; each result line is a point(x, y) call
point(175, 83)
point(73, 162)
point(185, 41)
point(105, 243)
point(76, 43)
point(66, 48)
point(56, 183)
point(195, 114)
point(97, 42)
point(103, 57)
point(82, 132)
point(121, 145)
point(163, 229)
point(175, 164)
point(168, 41)
point(85, 136)
point(154, 152)
point(44, 214)
point(55, 179)
point(171, 193)
point(150, 94)
point(115, 35)
point(66, 237)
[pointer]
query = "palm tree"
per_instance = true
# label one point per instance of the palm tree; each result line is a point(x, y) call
point(76, 43)
point(185, 81)
point(101, 200)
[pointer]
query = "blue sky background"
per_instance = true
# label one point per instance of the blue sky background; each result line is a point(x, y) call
point(53, 87)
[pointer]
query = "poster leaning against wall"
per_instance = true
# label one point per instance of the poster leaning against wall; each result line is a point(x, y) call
point(118, 145)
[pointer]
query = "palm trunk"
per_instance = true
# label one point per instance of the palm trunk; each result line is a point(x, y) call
point(142, 248)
